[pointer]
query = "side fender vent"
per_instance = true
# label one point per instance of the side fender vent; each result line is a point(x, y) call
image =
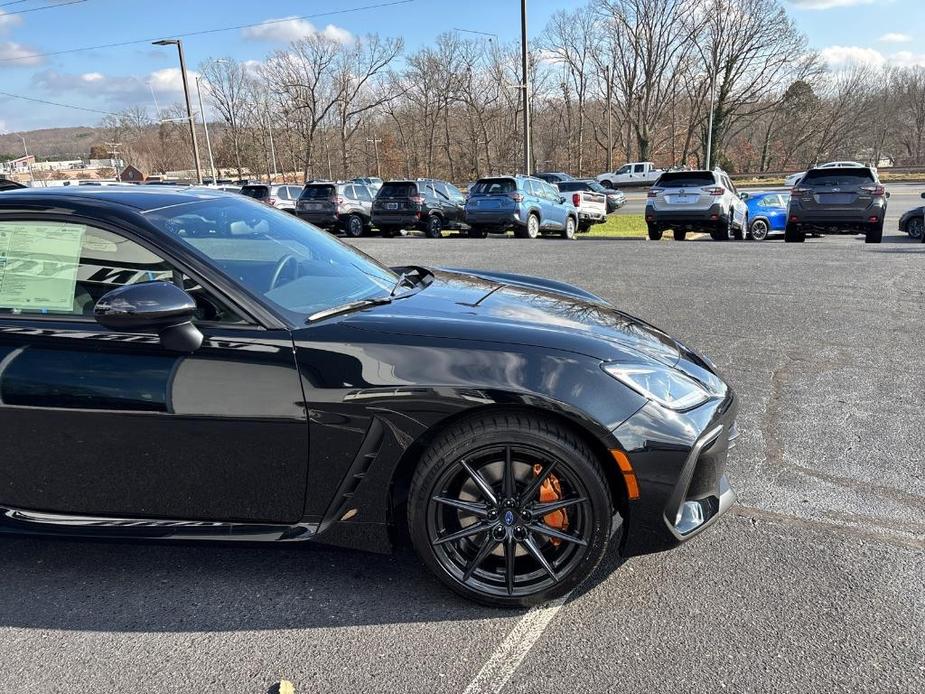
point(356, 473)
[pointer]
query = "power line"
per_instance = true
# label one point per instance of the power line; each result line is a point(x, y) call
point(43, 7)
point(15, 2)
point(270, 22)
point(55, 103)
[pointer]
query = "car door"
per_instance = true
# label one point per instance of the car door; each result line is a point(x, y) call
point(105, 424)
point(364, 200)
point(450, 209)
point(557, 210)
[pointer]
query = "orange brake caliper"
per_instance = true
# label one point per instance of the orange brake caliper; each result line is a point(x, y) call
point(551, 490)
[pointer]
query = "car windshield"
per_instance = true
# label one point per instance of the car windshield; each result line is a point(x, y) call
point(837, 177)
point(493, 186)
point(685, 179)
point(257, 192)
point(294, 266)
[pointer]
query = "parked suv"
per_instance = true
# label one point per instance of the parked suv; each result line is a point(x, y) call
point(424, 204)
point(525, 204)
point(332, 206)
point(832, 200)
point(696, 201)
point(282, 197)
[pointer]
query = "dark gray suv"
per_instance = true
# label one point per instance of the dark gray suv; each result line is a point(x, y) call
point(331, 206)
point(835, 200)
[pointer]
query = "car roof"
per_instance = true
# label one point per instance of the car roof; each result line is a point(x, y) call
point(137, 197)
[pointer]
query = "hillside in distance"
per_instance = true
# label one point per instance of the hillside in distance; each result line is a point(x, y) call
point(52, 143)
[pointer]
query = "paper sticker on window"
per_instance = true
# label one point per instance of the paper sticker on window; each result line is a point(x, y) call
point(38, 265)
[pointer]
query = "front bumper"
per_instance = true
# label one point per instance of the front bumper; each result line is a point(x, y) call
point(679, 460)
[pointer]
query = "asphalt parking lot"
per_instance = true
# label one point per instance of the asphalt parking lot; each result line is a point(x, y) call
point(815, 581)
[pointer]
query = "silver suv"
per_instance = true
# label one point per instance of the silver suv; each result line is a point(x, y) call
point(696, 201)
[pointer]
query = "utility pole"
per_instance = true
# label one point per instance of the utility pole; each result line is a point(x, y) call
point(205, 127)
point(376, 141)
point(112, 148)
point(189, 108)
point(272, 146)
point(525, 86)
point(609, 75)
point(28, 165)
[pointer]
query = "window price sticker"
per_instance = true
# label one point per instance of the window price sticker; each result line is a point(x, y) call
point(38, 265)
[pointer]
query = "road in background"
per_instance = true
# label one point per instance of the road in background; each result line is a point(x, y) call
point(815, 581)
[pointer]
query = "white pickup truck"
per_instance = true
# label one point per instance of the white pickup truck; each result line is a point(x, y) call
point(637, 173)
point(591, 206)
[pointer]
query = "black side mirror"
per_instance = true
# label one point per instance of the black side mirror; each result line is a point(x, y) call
point(561, 199)
point(743, 196)
point(922, 195)
point(159, 306)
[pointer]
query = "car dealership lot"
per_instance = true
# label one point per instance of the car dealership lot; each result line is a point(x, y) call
point(815, 580)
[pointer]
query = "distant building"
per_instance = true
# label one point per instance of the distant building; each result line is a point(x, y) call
point(116, 164)
point(131, 175)
point(17, 166)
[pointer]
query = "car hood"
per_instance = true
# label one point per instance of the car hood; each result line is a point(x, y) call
point(515, 309)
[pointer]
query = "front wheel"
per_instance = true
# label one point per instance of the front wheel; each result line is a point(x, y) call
point(509, 510)
point(569, 231)
point(759, 230)
point(915, 227)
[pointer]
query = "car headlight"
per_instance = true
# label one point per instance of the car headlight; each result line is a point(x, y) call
point(666, 386)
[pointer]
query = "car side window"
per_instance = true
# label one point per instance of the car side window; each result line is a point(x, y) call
point(552, 193)
point(454, 193)
point(363, 193)
point(639, 168)
point(63, 269)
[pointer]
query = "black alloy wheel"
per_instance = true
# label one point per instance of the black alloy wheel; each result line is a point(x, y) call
point(915, 227)
point(478, 518)
point(354, 226)
point(759, 230)
point(434, 228)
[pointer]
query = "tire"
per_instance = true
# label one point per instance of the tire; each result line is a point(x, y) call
point(477, 232)
point(915, 227)
point(387, 232)
point(531, 230)
point(655, 234)
point(679, 234)
point(353, 226)
point(584, 228)
point(759, 230)
point(607, 184)
point(569, 231)
point(723, 230)
point(874, 233)
point(794, 235)
point(738, 233)
point(476, 565)
point(434, 228)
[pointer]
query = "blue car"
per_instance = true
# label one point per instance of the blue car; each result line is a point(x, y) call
point(525, 204)
point(767, 213)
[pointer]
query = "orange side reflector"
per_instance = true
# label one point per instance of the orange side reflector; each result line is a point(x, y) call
point(629, 477)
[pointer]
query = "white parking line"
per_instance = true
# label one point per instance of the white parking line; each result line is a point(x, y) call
point(503, 663)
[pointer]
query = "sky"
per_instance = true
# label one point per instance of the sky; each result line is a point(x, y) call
point(109, 79)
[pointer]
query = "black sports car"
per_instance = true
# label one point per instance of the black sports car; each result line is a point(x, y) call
point(191, 364)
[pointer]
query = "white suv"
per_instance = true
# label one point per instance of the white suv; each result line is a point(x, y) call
point(696, 201)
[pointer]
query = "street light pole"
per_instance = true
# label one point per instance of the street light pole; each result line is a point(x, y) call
point(609, 119)
point(525, 86)
point(189, 108)
point(205, 127)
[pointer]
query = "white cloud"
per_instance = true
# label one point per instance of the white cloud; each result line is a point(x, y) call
point(91, 76)
point(843, 56)
point(848, 56)
point(169, 79)
point(829, 4)
point(8, 21)
point(288, 29)
point(16, 55)
point(895, 37)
